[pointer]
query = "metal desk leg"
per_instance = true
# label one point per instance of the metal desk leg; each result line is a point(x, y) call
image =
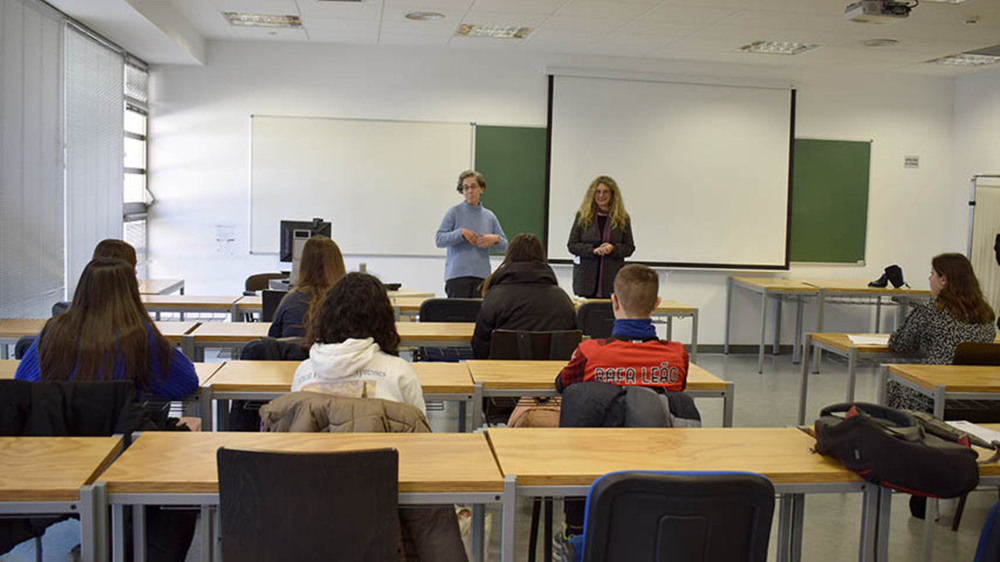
point(804, 383)
point(884, 513)
point(796, 349)
point(216, 534)
point(694, 336)
point(869, 526)
point(118, 532)
point(93, 523)
point(139, 533)
point(817, 354)
point(508, 502)
point(205, 528)
point(222, 414)
point(187, 346)
point(930, 518)
point(477, 407)
point(670, 328)
point(883, 377)
point(727, 404)
point(205, 407)
point(462, 415)
point(776, 348)
point(784, 527)
point(763, 330)
point(939, 402)
point(852, 368)
point(477, 538)
point(729, 306)
point(878, 313)
point(798, 510)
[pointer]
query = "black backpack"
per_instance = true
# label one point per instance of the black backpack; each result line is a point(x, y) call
point(891, 448)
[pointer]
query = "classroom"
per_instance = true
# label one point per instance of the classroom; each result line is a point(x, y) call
point(931, 128)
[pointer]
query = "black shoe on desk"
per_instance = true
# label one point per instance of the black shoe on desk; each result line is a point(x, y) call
point(880, 282)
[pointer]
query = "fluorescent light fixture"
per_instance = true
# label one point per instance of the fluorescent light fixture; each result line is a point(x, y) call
point(494, 31)
point(777, 47)
point(881, 42)
point(424, 16)
point(967, 59)
point(261, 20)
point(949, 1)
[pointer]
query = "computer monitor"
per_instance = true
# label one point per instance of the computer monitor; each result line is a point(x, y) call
point(293, 238)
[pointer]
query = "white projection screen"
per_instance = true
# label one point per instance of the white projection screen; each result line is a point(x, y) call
point(703, 168)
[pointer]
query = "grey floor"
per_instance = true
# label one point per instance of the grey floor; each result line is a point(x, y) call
point(832, 522)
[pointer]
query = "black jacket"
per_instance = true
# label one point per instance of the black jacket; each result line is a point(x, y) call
point(582, 241)
point(599, 404)
point(522, 296)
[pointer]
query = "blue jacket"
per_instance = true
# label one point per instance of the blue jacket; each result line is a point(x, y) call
point(179, 381)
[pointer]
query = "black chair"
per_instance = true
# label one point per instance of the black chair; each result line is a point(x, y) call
point(525, 344)
point(269, 303)
point(60, 308)
point(244, 415)
point(447, 310)
point(309, 506)
point(596, 319)
point(260, 281)
point(660, 516)
point(22, 345)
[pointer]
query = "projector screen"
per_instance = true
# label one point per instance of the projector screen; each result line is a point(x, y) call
point(703, 169)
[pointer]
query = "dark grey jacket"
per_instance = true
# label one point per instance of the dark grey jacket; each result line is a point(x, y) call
point(582, 241)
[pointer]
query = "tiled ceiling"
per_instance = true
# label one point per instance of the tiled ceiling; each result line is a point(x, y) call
point(694, 30)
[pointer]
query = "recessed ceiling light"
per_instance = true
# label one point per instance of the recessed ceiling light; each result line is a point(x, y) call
point(261, 20)
point(424, 16)
point(494, 31)
point(777, 47)
point(879, 42)
point(967, 59)
point(949, 1)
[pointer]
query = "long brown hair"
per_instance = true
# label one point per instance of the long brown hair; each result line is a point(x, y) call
point(355, 307)
point(961, 294)
point(616, 209)
point(118, 249)
point(105, 324)
point(320, 267)
point(524, 247)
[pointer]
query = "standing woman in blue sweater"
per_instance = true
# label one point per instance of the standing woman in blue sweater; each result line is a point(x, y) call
point(468, 230)
point(106, 334)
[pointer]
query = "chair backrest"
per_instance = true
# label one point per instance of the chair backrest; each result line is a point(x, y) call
point(75, 409)
point(450, 310)
point(22, 345)
point(271, 349)
point(270, 301)
point(60, 308)
point(309, 506)
point(525, 344)
point(259, 281)
point(971, 353)
point(596, 319)
point(660, 516)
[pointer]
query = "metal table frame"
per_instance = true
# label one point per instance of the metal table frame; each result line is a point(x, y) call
point(779, 295)
point(93, 528)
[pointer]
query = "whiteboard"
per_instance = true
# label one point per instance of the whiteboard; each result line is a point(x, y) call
point(703, 169)
point(385, 185)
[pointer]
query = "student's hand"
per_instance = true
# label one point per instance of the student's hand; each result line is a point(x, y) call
point(470, 236)
point(487, 240)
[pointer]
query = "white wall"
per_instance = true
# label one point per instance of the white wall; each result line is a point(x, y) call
point(199, 154)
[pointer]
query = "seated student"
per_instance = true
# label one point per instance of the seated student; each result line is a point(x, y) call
point(957, 313)
point(355, 347)
point(320, 267)
point(107, 334)
point(118, 249)
point(522, 294)
point(633, 355)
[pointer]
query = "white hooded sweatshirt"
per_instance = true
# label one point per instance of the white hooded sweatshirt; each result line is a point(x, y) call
point(358, 369)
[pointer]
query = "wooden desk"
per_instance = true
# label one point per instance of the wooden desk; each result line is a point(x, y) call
point(941, 382)
point(179, 468)
point(267, 380)
point(248, 305)
point(566, 461)
point(7, 368)
point(45, 475)
point(841, 344)
point(667, 310)
point(778, 288)
point(235, 334)
point(538, 378)
point(160, 286)
point(191, 303)
point(13, 329)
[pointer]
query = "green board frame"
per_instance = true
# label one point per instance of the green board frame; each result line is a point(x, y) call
point(829, 216)
point(513, 161)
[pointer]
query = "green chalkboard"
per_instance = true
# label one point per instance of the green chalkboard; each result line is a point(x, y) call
point(513, 161)
point(829, 201)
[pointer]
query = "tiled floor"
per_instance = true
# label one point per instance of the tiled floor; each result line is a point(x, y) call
point(832, 522)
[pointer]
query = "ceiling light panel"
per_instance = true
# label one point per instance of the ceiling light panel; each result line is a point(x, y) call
point(777, 47)
point(492, 31)
point(966, 59)
point(244, 19)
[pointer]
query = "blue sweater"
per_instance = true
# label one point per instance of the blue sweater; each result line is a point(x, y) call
point(180, 381)
point(464, 259)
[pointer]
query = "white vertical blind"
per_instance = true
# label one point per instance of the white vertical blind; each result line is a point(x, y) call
point(985, 227)
point(94, 148)
point(31, 180)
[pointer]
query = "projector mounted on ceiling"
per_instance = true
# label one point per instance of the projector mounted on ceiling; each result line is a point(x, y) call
point(878, 11)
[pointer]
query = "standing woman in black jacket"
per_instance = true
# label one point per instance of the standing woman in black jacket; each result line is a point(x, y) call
point(522, 294)
point(601, 239)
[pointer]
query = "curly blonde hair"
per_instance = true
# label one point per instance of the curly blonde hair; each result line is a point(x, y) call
point(616, 209)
